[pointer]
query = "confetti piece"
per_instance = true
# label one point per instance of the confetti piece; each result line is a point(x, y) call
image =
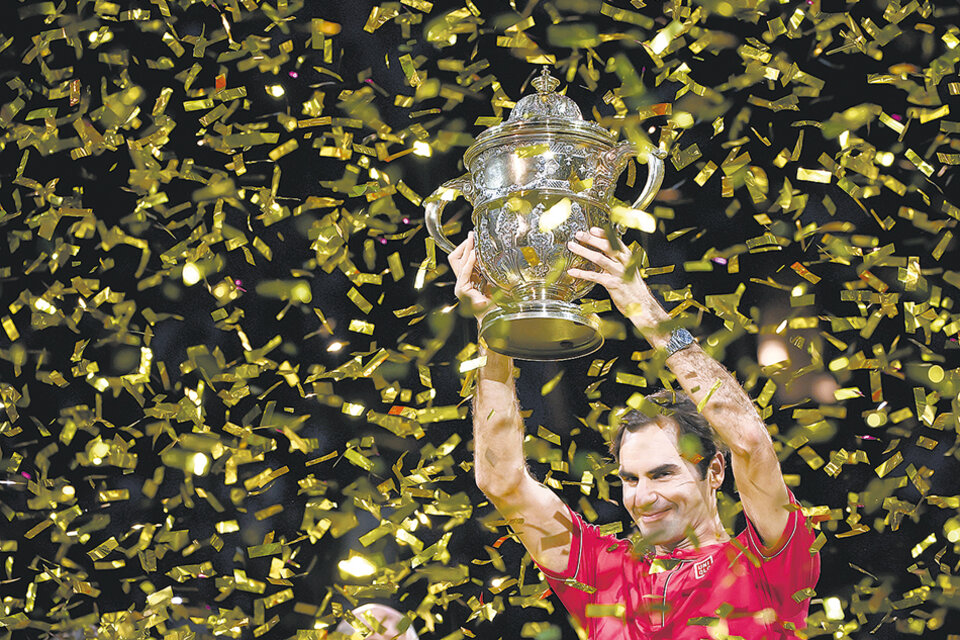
point(889, 465)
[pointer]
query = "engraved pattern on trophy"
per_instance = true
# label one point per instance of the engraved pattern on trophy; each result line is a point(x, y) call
point(534, 181)
point(503, 225)
point(502, 171)
point(540, 260)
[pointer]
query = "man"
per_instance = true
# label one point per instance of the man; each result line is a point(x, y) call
point(698, 582)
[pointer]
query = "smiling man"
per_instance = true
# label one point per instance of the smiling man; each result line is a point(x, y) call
point(696, 581)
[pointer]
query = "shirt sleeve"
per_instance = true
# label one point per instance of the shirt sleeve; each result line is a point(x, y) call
point(788, 566)
point(590, 553)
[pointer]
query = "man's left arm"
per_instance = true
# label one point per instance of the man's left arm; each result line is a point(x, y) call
point(732, 415)
point(720, 398)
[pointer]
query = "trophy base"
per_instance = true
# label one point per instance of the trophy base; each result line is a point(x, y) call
point(542, 330)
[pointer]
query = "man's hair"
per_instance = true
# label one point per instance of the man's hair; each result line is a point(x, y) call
point(692, 428)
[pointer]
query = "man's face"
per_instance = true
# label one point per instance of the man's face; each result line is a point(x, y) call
point(663, 491)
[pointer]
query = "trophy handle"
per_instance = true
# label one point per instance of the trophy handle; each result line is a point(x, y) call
point(447, 192)
point(654, 179)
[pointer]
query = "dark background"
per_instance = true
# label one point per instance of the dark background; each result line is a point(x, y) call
point(174, 199)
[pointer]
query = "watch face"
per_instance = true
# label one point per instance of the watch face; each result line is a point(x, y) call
point(679, 339)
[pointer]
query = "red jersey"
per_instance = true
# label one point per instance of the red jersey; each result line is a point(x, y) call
point(737, 588)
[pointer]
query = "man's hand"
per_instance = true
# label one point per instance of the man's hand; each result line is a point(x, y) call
point(463, 261)
point(628, 291)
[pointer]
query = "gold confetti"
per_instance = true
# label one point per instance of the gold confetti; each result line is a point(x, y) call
point(161, 201)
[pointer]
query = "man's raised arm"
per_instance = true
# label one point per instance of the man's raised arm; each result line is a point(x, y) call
point(538, 516)
point(501, 472)
point(729, 410)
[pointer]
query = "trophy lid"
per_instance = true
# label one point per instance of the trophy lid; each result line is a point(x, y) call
point(546, 102)
point(544, 113)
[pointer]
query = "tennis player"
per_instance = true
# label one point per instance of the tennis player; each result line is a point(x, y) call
point(694, 580)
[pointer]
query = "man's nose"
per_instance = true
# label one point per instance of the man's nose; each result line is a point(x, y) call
point(643, 494)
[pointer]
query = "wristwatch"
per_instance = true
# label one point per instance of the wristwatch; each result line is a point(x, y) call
point(679, 339)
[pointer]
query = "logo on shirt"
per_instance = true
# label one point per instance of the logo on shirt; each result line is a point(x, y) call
point(700, 569)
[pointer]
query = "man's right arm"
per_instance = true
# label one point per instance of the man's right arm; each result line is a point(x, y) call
point(538, 516)
point(535, 512)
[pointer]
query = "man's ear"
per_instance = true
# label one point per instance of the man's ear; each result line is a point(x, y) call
point(716, 471)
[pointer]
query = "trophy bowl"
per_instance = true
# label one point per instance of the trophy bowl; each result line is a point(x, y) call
point(534, 181)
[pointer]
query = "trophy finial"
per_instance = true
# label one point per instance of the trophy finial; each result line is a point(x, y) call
point(545, 83)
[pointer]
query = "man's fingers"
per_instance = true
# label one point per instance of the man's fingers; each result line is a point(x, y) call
point(466, 273)
point(598, 258)
point(468, 266)
point(583, 274)
point(598, 238)
point(470, 258)
point(599, 242)
point(461, 249)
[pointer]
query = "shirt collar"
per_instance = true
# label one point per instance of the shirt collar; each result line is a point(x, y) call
point(686, 554)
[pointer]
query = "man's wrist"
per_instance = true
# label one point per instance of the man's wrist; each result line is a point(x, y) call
point(496, 366)
point(645, 312)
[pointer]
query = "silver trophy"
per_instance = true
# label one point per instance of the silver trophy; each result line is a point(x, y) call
point(534, 181)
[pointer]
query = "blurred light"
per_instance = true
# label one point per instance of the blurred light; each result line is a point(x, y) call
point(328, 28)
point(935, 373)
point(301, 292)
point(885, 158)
point(833, 608)
point(839, 364)
point(843, 139)
point(352, 409)
point(176, 600)
point(191, 274)
point(68, 490)
point(683, 119)
point(335, 346)
point(952, 528)
point(771, 352)
point(275, 90)
point(876, 419)
point(146, 357)
point(357, 566)
point(798, 290)
point(43, 305)
point(199, 463)
point(421, 148)
point(823, 388)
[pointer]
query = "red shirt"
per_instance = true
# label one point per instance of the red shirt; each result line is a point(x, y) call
point(737, 587)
